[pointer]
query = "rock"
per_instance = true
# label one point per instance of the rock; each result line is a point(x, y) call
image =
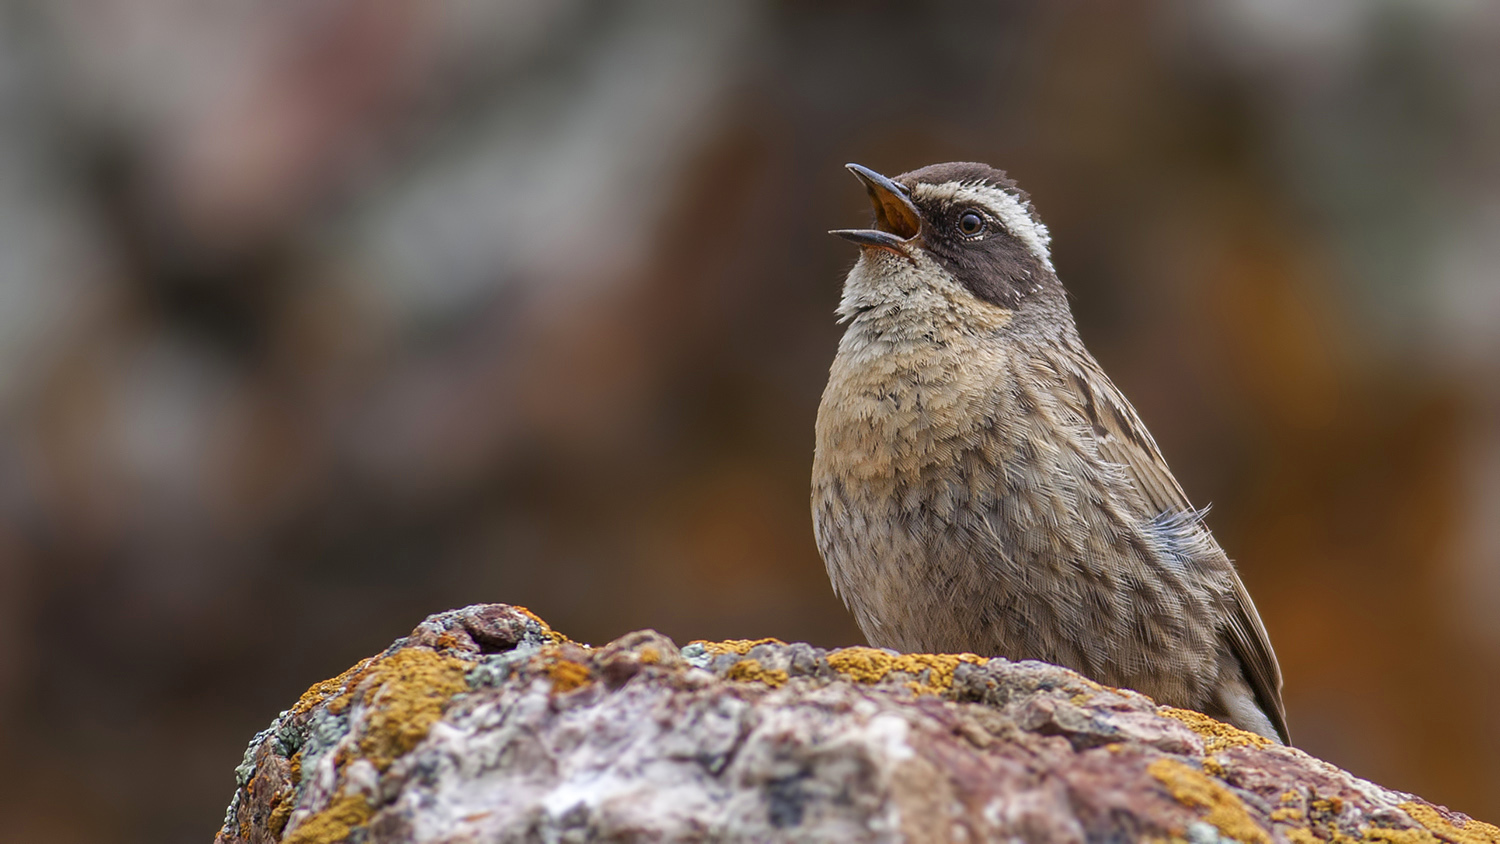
point(485, 725)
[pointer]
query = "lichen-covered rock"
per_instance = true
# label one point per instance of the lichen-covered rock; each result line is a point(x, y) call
point(485, 725)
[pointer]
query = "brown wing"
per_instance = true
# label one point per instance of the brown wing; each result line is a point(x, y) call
point(1124, 440)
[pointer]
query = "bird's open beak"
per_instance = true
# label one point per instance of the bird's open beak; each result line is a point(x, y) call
point(897, 221)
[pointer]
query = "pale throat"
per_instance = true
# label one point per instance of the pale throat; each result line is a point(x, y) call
point(887, 297)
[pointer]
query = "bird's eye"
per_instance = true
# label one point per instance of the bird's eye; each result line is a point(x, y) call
point(970, 224)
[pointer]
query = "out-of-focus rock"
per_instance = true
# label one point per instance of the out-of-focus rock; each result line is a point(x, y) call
point(486, 725)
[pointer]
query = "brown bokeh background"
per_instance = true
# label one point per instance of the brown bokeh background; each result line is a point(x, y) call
point(319, 317)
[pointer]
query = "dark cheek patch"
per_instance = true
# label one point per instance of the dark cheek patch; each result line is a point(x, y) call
point(998, 269)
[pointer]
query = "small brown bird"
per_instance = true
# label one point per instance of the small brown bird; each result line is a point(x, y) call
point(980, 485)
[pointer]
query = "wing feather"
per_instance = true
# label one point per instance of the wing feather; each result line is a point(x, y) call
point(1123, 439)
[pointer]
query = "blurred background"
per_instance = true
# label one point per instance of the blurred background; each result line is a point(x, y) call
point(319, 317)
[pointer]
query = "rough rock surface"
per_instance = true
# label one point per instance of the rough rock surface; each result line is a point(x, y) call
point(484, 725)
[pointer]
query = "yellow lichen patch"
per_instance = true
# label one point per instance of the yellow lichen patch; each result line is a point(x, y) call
point(870, 665)
point(751, 670)
point(1473, 832)
point(1298, 835)
point(406, 694)
point(1285, 814)
point(320, 692)
point(333, 824)
point(280, 815)
point(739, 647)
point(556, 637)
point(567, 675)
point(650, 655)
point(356, 677)
point(1098, 687)
point(1217, 735)
point(1328, 806)
point(1400, 836)
point(1225, 811)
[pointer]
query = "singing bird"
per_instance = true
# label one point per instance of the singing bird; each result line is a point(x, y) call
point(980, 485)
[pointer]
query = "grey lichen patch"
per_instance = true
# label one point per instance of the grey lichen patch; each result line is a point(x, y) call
point(494, 669)
point(1202, 832)
point(246, 769)
point(697, 654)
point(321, 733)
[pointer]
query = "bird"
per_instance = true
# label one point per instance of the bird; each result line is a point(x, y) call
point(981, 486)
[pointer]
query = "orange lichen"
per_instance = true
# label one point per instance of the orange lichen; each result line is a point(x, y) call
point(406, 694)
point(751, 670)
point(1224, 810)
point(1324, 828)
point(1217, 735)
point(870, 665)
point(739, 647)
point(276, 822)
point(650, 655)
point(1473, 832)
point(333, 824)
point(567, 675)
point(1327, 806)
point(556, 637)
point(320, 692)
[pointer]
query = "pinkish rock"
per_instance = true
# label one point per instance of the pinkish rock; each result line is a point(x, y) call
point(485, 725)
